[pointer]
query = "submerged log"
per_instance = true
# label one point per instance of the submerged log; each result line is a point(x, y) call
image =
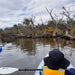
point(54, 35)
point(68, 37)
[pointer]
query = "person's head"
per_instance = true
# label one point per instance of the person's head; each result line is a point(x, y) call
point(56, 60)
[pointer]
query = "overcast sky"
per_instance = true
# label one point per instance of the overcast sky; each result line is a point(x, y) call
point(14, 11)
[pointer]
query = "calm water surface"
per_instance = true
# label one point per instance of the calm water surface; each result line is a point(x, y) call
point(28, 53)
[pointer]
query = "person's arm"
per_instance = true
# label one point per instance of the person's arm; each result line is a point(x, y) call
point(72, 71)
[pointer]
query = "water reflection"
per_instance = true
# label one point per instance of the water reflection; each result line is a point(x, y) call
point(27, 53)
point(27, 45)
point(30, 45)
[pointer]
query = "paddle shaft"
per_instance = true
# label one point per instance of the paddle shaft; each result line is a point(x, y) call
point(30, 70)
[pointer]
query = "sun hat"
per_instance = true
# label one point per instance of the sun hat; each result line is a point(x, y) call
point(56, 60)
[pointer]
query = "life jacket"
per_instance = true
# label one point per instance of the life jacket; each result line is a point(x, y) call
point(47, 71)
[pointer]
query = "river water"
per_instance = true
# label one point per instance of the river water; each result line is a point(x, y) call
point(28, 53)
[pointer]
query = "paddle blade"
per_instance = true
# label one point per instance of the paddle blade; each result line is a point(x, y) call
point(7, 70)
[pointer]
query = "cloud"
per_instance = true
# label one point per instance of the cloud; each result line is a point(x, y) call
point(13, 11)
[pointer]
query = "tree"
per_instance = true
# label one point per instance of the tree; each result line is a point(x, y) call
point(53, 19)
point(70, 20)
point(26, 21)
point(1, 31)
point(16, 27)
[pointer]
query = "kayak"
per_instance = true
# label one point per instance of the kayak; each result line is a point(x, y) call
point(41, 67)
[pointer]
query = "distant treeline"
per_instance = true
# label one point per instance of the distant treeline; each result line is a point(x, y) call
point(54, 27)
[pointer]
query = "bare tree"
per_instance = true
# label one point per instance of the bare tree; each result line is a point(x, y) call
point(55, 22)
point(32, 19)
point(66, 13)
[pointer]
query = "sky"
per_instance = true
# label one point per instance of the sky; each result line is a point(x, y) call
point(14, 11)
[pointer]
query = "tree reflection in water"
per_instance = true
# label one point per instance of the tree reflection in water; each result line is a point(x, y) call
point(30, 45)
point(29, 52)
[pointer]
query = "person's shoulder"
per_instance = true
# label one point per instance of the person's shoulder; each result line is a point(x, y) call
point(70, 70)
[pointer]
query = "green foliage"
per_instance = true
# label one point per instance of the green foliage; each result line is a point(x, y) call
point(63, 33)
point(26, 21)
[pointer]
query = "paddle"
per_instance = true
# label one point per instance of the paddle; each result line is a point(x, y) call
point(9, 70)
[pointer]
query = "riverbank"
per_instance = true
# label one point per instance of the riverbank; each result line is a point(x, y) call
point(59, 36)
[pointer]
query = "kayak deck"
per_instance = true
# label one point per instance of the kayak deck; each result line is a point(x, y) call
point(40, 67)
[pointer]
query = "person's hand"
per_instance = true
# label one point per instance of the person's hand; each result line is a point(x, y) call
point(72, 71)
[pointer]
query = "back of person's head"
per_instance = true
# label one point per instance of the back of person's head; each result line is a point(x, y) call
point(56, 60)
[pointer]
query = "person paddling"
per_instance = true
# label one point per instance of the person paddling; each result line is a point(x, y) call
point(57, 64)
